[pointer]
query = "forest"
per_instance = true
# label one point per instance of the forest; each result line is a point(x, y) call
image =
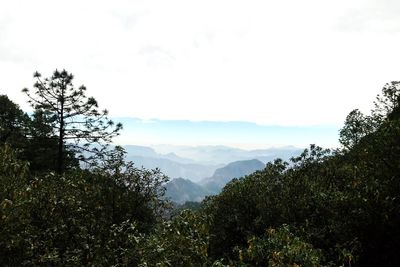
point(69, 198)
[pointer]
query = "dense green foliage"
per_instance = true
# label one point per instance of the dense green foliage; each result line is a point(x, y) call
point(323, 208)
point(75, 219)
point(344, 203)
point(13, 126)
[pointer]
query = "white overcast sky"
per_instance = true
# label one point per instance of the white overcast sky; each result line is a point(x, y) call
point(285, 62)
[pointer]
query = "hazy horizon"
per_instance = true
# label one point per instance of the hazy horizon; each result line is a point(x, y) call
point(244, 135)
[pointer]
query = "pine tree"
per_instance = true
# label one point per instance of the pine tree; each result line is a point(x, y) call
point(75, 118)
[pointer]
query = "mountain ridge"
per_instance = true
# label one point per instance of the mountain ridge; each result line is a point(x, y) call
point(180, 190)
point(235, 169)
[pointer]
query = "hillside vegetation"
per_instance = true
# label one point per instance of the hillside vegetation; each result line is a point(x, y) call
point(324, 208)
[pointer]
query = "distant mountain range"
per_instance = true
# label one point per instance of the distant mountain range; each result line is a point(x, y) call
point(170, 164)
point(196, 172)
point(181, 190)
point(148, 152)
point(197, 163)
point(223, 154)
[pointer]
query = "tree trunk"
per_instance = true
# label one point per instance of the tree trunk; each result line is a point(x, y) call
point(60, 159)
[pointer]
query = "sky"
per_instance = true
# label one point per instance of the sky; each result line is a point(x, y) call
point(279, 64)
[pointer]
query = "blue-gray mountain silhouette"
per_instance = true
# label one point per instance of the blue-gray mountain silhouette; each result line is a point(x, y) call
point(235, 169)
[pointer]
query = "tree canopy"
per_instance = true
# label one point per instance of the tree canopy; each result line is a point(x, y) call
point(13, 123)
